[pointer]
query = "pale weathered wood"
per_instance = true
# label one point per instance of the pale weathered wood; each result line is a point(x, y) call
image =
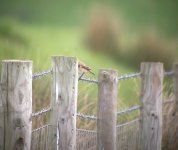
point(3, 96)
point(107, 107)
point(64, 103)
point(151, 100)
point(16, 105)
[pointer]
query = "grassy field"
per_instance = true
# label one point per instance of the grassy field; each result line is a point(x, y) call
point(40, 43)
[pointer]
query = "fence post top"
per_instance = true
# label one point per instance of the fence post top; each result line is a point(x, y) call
point(108, 70)
point(146, 65)
point(107, 74)
point(69, 57)
point(16, 61)
point(151, 63)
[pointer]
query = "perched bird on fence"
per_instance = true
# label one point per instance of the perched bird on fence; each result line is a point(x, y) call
point(84, 69)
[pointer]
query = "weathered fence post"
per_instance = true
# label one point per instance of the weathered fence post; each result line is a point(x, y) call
point(64, 103)
point(15, 105)
point(107, 107)
point(151, 111)
point(175, 81)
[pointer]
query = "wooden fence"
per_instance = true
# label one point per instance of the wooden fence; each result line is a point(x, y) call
point(16, 108)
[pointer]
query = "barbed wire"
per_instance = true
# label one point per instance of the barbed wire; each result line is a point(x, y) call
point(138, 74)
point(39, 75)
point(123, 77)
point(169, 73)
point(129, 76)
point(127, 123)
point(38, 129)
point(127, 110)
point(88, 80)
point(44, 110)
point(88, 117)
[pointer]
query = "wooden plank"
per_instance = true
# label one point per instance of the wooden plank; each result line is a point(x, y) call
point(107, 108)
point(64, 103)
point(3, 108)
point(16, 99)
point(151, 100)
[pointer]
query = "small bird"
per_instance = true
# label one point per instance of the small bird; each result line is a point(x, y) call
point(84, 69)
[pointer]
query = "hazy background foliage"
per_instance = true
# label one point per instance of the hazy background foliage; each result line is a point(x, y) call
point(103, 34)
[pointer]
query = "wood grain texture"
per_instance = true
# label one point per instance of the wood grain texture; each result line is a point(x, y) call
point(3, 108)
point(64, 102)
point(107, 107)
point(151, 112)
point(16, 105)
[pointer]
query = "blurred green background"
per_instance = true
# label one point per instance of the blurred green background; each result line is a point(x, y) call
point(102, 34)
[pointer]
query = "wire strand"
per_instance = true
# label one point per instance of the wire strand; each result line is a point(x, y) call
point(88, 117)
point(38, 113)
point(39, 75)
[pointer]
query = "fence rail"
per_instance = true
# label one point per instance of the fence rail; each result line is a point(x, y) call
point(61, 130)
